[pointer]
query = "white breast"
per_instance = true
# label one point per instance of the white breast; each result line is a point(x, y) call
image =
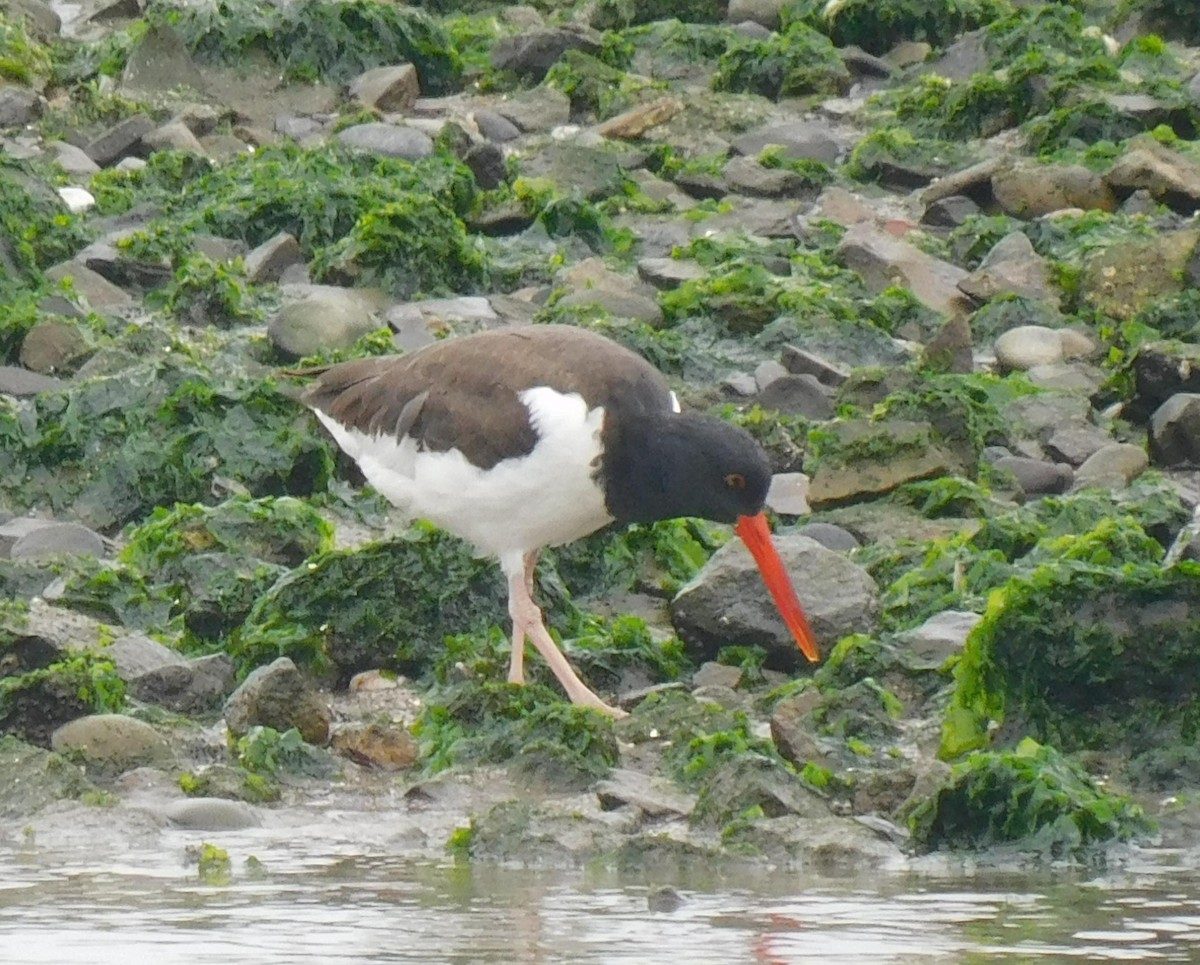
point(545, 498)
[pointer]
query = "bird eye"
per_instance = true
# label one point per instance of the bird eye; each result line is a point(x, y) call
point(735, 480)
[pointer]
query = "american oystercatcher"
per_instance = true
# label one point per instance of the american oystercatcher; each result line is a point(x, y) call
point(524, 438)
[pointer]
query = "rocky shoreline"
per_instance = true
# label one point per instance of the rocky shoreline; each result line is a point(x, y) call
point(945, 268)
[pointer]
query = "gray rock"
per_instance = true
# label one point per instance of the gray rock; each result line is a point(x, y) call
point(540, 109)
point(963, 59)
point(220, 250)
point(940, 637)
point(591, 282)
point(160, 61)
point(111, 743)
point(40, 19)
point(727, 603)
point(799, 395)
point(788, 494)
point(21, 382)
point(1030, 189)
point(187, 687)
point(799, 362)
point(53, 346)
point(799, 140)
point(96, 291)
point(211, 814)
point(1035, 476)
point(1074, 443)
point(1167, 175)
point(496, 127)
point(1114, 466)
point(124, 137)
point(885, 261)
point(666, 274)
point(267, 262)
point(766, 13)
point(1025, 346)
point(19, 106)
point(35, 778)
point(830, 536)
point(57, 539)
point(174, 136)
point(14, 527)
point(1175, 431)
point(72, 159)
point(950, 212)
point(752, 30)
point(135, 654)
point(327, 317)
point(746, 176)
point(651, 795)
point(391, 89)
point(278, 696)
point(532, 53)
point(487, 164)
point(1011, 267)
point(767, 372)
point(952, 347)
point(420, 323)
point(388, 140)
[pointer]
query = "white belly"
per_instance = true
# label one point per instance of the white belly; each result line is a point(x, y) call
point(543, 499)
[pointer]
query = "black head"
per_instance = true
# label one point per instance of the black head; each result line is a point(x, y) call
point(684, 465)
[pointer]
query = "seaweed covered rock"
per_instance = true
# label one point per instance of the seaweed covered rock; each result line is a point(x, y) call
point(389, 604)
point(1095, 649)
point(34, 777)
point(278, 696)
point(788, 64)
point(558, 744)
point(1032, 798)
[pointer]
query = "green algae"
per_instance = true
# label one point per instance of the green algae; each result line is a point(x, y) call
point(1059, 655)
point(1032, 798)
point(320, 39)
point(797, 61)
point(528, 727)
point(877, 25)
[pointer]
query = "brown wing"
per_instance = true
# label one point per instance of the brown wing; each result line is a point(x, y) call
point(464, 393)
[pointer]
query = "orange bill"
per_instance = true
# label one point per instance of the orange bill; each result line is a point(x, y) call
point(757, 536)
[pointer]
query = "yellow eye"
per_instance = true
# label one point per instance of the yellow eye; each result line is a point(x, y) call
point(735, 480)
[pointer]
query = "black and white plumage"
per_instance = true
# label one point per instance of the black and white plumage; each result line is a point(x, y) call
point(530, 437)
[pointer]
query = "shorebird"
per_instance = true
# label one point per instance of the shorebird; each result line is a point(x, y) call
point(523, 438)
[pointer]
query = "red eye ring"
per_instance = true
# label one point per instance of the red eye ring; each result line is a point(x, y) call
point(735, 480)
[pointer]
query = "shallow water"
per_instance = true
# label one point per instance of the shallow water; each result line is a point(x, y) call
point(321, 901)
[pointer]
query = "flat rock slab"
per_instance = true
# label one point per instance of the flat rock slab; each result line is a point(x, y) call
point(211, 814)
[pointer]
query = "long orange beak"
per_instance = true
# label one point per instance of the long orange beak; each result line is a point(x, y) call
point(757, 536)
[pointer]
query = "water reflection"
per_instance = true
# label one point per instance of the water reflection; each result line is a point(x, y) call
point(346, 908)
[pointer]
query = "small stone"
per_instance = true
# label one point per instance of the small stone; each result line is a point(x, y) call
point(666, 274)
point(175, 136)
point(799, 362)
point(160, 61)
point(1029, 189)
point(487, 164)
point(634, 123)
point(52, 346)
point(96, 291)
point(495, 127)
point(390, 89)
point(940, 637)
point(713, 674)
point(796, 141)
point(382, 746)
point(1036, 477)
point(187, 686)
point(531, 53)
point(653, 796)
point(951, 212)
point(830, 536)
point(388, 140)
point(1114, 466)
point(540, 109)
point(57, 539)
point(76, 199)
point(800, 395)
point(1011, 267)
point(72, 159)
point(1025, 346)
point(122, 138)
point(112, 743)
point(767, 13)
point(1175, 431)
point(18, 106)
point(21, 382)
point(1073, 444)
point(278, 696)
point(326, 318)
point(267, 263)
point(211, 814)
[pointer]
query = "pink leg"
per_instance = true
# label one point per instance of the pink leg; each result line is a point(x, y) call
point(516, 660)
point(527, 623)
